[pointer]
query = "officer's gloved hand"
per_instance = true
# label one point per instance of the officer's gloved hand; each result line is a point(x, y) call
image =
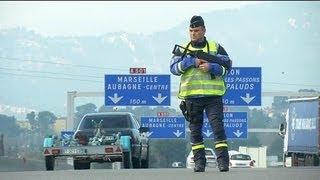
point(223, 57)
point(215, 69)
point(183, 108)
point(188, 61)
point(227, 60)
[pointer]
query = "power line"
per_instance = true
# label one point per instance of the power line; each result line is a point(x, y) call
point(33, 71)
point(96, 67)
point(56, 63)
point(65, 78)
point(291, 84)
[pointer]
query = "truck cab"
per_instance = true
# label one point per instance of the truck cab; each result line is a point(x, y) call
point(300, 132)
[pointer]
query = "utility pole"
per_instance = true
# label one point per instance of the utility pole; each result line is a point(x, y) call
point(70, 109)
point(71, 95)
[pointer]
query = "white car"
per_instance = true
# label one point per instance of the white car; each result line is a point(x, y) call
point(241, 161)
point(177, 165)
point(232, 152)
point(210, 156)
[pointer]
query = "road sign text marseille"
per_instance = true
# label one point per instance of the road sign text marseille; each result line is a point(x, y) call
point(134, 86)
point(137, 90)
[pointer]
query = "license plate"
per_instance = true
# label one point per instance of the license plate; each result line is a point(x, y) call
point(109, 138)
point(74, 151)
point(240, 164)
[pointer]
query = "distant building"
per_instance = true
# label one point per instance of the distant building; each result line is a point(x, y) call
point(24, 124)
point(269, 111)
point(60, 125)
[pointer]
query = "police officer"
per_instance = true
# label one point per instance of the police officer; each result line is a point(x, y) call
point(201, 89)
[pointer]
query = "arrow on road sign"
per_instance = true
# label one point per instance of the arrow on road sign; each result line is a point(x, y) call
point(159, 99)
point(247, 99)
point(115, 99)
point(208, 133)
point(149, 134)
point(67, 136)
point(178, 133)
point(238, 133)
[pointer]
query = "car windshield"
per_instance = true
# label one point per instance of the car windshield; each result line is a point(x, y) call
point(112, 121)
point(209, 153)
point(240, 157)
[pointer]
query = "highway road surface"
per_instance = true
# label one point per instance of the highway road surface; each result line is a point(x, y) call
point(305, 173)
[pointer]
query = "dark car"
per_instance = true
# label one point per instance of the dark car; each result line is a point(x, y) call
point(125, 124)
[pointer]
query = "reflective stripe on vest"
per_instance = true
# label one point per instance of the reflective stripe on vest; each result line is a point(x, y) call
point(196, 82)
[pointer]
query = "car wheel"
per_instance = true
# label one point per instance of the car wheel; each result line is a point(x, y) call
point(136, 162)
point(145, 162)
point(127, 160)
point(50, 161)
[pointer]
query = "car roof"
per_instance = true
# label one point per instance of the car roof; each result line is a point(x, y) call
point(206, 149)
point(108, 113)
point(241, 154)
point(232, 152)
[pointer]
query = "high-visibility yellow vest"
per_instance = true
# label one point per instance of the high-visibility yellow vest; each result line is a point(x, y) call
point(195, 82)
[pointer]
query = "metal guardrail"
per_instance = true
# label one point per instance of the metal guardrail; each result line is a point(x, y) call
point(261, 130)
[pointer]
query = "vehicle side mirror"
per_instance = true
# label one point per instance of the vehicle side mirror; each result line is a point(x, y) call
point(144, 129)
point(281, 127)
point(281, 130)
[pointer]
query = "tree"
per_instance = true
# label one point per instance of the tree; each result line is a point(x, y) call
point(280, 104)
point(307, 90)
point(164, 152)
point(105, 109)
point(83, 110)
point(8, 125)
point(32, 121)
point(258, 119)
point(46, 119)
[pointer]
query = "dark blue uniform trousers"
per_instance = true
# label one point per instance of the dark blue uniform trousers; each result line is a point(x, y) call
point(213, 107)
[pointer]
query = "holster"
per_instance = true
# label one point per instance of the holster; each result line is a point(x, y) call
point(185, 109)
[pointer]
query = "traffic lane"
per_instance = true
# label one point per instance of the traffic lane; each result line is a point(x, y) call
point(161, 174)
point(14, 164)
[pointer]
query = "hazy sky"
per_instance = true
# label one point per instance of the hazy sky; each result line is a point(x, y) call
point(89, 18)
point(100, 17)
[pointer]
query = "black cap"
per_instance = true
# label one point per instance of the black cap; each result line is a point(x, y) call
point(196, 21)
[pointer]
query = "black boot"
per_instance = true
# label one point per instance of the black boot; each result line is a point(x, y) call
point(223, 167)
point(200, 165)
point(200, 161)
point(223, 160)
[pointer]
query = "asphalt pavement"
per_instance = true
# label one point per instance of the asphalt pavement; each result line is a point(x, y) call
point(305, 173)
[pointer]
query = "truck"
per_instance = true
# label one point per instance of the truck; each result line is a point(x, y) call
point(301, 132)
point(104, 138)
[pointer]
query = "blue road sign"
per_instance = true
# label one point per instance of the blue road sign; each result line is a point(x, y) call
point(243, 87)
point(137, 90)
point(235, 124)
point(66, 134)
point(165, 127)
